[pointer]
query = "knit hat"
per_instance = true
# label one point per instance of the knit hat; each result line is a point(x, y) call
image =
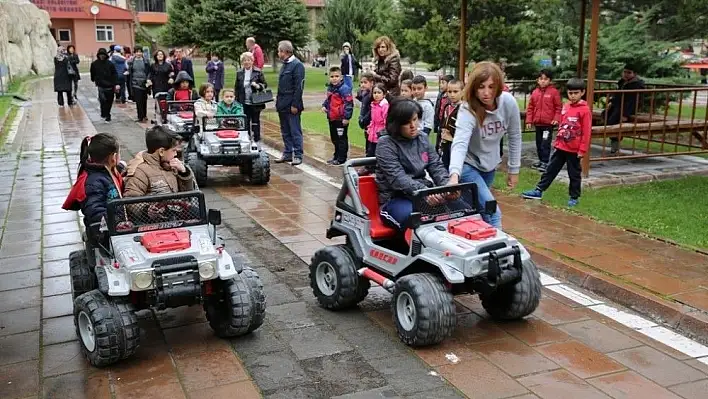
point(347, 44)
point(117, 48)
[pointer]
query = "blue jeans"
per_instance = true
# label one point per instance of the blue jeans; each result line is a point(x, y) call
point(291, 130)
point(484, 181)
point(349, 81)
point(396, 211)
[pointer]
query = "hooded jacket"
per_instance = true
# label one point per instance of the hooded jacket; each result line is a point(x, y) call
point(94, 187)
point(120, 63)
point(387, 70)
point(348, 60)
point(364, 96)
point(224, 109)
point(176, 93)
point(402, 163)
point(544, 107)
point(575, 128)
point(379, 111)
point(103, 72)
point(147, 176)
point(624, 107)
point(339, 102)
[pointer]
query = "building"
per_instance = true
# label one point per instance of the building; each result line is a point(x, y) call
point(74, 23)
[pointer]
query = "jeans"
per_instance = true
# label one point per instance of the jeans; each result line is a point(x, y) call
point(76, 89)
point(396, 211)
point(69, 98)
point(140, 97)
point(105, 98)
point(121, 94)
point(558, 159)
point(543, 145)
point(291, 130)
point(253, 118)
point(216, 94)
point(484, 182)
point(340, 142)
point(349, 81)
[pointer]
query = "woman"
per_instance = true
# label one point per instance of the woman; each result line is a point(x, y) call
point(63, 79)
point(403, 156)
point(250, 79)
point(487, 114)
point(74, 62)
point(215, 74)
point(161, 74)
point(387, 65)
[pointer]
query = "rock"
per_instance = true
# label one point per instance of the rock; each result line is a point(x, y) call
point(26, 43)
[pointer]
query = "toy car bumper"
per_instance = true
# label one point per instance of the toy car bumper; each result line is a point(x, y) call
point(229, 159)
point(499, 274)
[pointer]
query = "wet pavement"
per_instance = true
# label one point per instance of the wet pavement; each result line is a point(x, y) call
point(567, 348)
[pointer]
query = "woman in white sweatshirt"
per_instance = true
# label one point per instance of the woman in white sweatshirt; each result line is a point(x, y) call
point(487, 114)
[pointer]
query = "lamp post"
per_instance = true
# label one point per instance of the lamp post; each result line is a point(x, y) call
point(463, 40)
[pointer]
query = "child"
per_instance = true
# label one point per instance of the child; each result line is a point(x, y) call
point(447, 131)
point(420, 86)
point(406, 75)
point(339, 106)
point(366, 82)
point(99, 180)
point(158, 170)
point(543, 112)
point(406, 89)
point(205, 107)
point(379, 112)
point(440, 104)
point(229, 105)
point(215, 74)
point(570, 145)
point(183, 89)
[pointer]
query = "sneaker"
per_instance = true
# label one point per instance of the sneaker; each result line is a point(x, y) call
point(542, 167)
point(614, 147)
point(336, 163)
point(296, 161)
point(331, 161)
point(572, 202)
point(283, 160)
point(536, 164)
point(532, 194)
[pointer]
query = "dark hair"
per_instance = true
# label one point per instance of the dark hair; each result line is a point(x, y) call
point(164, 57)
point(335, 69)
point(138, 49)
point(420, 79)
point(160, 137)
point(575, 84)
point(97, 149)
point(400, 112)
point(406, 75)
point(631, 67)
point(447, 78)
point(367, 75)
point(547, 72)
point(126, 50)
point(203, 88)
point(406, 82)
point(456, 82)
point(215, 54)
point(172, 53)
point(381, 87)
point(111, 47)
point(69, 47)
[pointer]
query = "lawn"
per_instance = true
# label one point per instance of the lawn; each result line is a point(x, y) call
point(671, 209)
point(5, 104)
point(315, 79)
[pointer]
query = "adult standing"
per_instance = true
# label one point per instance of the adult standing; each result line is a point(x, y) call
point(121, 66)
point(161, 74)
point(139, 71)
point(104, 75)
point(255, 49)
point(349, 65)
point(387, 64)
point(288, 103)
point(250, 79)
point(215, 74)
point(74, 62)
point(487, 114)
point(63, 79)
point(180, 63)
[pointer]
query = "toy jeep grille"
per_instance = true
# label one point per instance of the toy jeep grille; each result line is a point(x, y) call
point(445, 202)
point(157, 212)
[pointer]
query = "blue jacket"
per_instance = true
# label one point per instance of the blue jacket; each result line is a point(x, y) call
point(339, 102)
point(215, 71)
point(120, 63)
point(100, 188)
point(291, 82)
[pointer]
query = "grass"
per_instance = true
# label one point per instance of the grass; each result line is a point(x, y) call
point(315, 79)
point(669, 209)
point(5, 104)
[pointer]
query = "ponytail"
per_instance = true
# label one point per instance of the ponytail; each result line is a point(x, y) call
point(83, 153)
point(97, 149)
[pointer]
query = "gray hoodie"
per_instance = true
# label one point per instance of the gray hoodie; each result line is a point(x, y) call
point(478, 146)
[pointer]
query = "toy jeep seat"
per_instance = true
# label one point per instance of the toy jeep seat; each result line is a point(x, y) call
point(185, 114)
point(369, 194)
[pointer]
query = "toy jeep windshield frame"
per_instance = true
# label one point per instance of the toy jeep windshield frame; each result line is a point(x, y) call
point(129, 215)
point(225, 122)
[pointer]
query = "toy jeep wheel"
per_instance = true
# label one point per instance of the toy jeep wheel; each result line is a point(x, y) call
point(514, 301)
point(423, 309)
point(334, 278)
point(199, 168)
point(83, 278)
point(107, 328)
point(238, 307)
point(259, 170)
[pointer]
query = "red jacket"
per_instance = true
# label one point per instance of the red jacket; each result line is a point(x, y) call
point(258, 58)
point(575, 128)
point(544, 106)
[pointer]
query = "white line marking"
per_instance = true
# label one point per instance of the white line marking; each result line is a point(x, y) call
point(630, 320)
point(310, 170)
point(547, 280)
point(703, 360)
point(574, 295)
point(674, 340)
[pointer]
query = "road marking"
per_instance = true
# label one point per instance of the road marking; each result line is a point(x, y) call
point(638, 323)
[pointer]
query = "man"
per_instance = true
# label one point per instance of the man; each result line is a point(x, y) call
point(289, 104)
point(104, 75)
point(138, 70)
point(255, 49)
point(179, 63)
point(349, 65)
point(623, 105)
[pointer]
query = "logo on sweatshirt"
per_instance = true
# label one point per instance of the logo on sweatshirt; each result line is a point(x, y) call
point(493, 128)
point(424, 157)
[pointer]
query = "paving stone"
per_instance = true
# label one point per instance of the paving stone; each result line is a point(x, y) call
point(446, 352)
point(311, 342)
point(471, 328)
point(58, 330)
point(691, 389)
point(262, 341)
point(61, 239)
point(480, 379)
point(164, 386)
point(19, 348)
point(19, 380)
point(240, 390)
point(554, 312)
point(342, 373)
point(22, 237)
point(444, 392)
point(558, 384)
point(19, 249)
point(63, 358)
point(18, 280)
point(193, 339)
point(58, 305)
point(55, 268)
point(291, 316)
point(60, 228)
point(56, 286)
point(278, 294)
point(210, 369)
point(599, 336)
point(276, 370)
point(629, 384)
point(657, 366)
point(386, 392)
point(20, 263)
point(580, 359)
point(59, 217)
point(513, 357)
point(20, 299)
point(534, 331)
point(407, 374)
point(182, 316)
point(19, 321)
point(372, 342)
point(60, 253)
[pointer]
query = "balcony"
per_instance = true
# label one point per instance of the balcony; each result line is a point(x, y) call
point(151, 6)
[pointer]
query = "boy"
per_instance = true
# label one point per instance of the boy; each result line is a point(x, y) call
point(571, 142)
point(104, 75)
point(157, 170)
point(366, 83)
point(419, 87)
point(228, 105)
point(339, 106)
point(440, 104)
point(447, 130)
point(543, 112)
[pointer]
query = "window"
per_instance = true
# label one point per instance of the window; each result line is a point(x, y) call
point(104, 33)
point(64, 35)
point(110, 2)
point(151, 6)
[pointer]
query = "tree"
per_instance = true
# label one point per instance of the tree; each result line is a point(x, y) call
point(181, 24)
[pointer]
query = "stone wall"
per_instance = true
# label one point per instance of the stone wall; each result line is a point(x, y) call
point(26, 44)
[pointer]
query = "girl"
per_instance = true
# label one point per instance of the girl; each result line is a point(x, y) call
point(206, 107)
point(407, 89)
point(215, 74)
point(379, 111)
point(487, 115)
point(74, 63)
point(161, 74)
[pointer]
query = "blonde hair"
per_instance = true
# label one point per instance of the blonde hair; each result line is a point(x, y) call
point(390, 46)
point(245, 55)
point(481, 72)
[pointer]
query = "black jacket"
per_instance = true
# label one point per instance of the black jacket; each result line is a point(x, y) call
point(344, 64)
point(62, 80)
point(186, 67)
point(160, 76)
point(103, 72)
point(364, 96)
point(74, 61)
point(257, 77)
point(100, 188)
point(626, 107)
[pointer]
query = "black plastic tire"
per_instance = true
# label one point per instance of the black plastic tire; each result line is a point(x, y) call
point(114, 325)
point(235, 309)
point(199, 168)
point(259, 172)
point(514, 301)
point(349, 288)
point(435, 315)
point(83, 278)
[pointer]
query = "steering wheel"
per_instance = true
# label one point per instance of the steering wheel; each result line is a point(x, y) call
point(169, 210)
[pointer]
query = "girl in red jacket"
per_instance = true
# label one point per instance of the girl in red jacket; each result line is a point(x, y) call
point(544, 112)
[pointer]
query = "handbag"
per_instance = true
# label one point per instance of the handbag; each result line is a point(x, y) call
point(261, 97)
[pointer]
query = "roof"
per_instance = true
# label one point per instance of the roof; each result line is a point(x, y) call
point(314, 3)
point(80, 9)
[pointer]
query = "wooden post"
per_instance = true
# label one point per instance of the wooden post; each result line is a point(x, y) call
point(463, 40)
point(592, 64)
point(581, 43)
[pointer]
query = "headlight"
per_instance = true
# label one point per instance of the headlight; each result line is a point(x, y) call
point(215, 148)
point(142, 280)
point(207, 270)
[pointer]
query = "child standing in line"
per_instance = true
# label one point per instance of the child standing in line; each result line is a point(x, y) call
point(379, 112)
point(447, 131)
point(571, 142)
point(339, 107)
point(544, 112)
point(406, 89)
point(440, 104)
point(420, 86)
point(366, 82)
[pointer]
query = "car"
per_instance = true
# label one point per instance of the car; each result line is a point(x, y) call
point(225, 140)
point(447, 250)
point(157, 252)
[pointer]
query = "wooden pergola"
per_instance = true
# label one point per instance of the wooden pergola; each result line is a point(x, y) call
point(592, 57)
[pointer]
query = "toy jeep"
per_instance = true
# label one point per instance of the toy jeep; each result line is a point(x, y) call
point(224, 140)
point(178, 116)
point(447, 250)
point(157, 252)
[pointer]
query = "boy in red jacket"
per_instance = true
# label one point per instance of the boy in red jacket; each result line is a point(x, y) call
point(544, 112)
point(570, 145)
point(339, 107)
